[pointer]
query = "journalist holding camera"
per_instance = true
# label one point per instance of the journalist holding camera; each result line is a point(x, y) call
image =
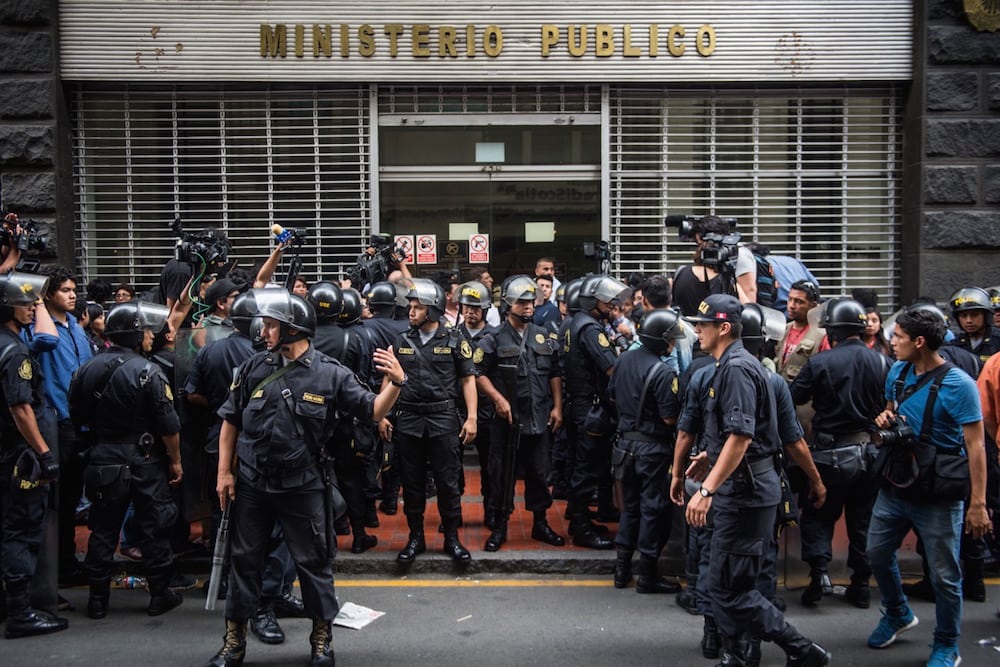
point(932, 464)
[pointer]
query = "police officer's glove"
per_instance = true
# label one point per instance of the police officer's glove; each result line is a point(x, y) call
point(50, 467)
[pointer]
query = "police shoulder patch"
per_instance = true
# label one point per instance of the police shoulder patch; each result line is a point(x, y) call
point(477, 356)
point(168, 391)
point(539, 338)
point(675, 385)
point(603, 340)
point(711, 392)
point(25, 371)
point(466, 350)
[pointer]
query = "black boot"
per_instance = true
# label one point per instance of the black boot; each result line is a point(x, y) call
point(100, 593)
point(161, 597)
point(542, 531)
point(497, 537)
point(973, 586)
point(649, 579)
point(753, 653)
point(733, 652)
point(819, 585)
point(453, 547)
point(371, 516)
point(414, 547)
point(321, 641)
point(264, 625)
point(800, 650)
point(623, 567)
point(710, 639)
point(234, 645)
point(586, 535)
point(362, 541)
point(22, 620)
point(858, 593)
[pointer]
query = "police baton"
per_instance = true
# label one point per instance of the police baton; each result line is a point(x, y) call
point(219, 556)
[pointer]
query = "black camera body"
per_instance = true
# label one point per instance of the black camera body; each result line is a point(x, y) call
point(719, 252)
point(207, 247)
point(600, 250)
point(690, 225)
point(373, 267)
point(898, 434)
point(29, 240)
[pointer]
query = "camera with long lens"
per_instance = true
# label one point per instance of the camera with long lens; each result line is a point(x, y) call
point(28, 240)
point(897, 434)
point(375, 264)
point(690, 225)
point(208, 247)
point(719, 251)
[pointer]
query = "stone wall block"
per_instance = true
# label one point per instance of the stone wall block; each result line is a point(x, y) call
point(26, 98)
point(25, 12)
point(938, 10)
point(991, 184)
point(963, 138)
point(29, 192)
point(953, 91)
point(962, 45)
point(950, 185)
point(27, 145)
point(993, 91)
point(25, 52)
point(961, 229)
point(943, 272)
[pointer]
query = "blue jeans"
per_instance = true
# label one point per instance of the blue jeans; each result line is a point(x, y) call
point(940, 526)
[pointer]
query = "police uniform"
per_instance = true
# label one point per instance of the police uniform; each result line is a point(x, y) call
point(587, 357)
point(985, 348)
point(845, 387)
point(427, 424)
point(521, 367)
point(484, 418)
point(646, 443)
point(127, 404)
point(283, 425)
point(741, 402)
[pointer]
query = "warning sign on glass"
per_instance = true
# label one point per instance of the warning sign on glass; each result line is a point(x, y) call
point(405, 242)
point(479, 248)
point(427, 249)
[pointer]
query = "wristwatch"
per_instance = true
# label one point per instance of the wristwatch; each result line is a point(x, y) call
point(705, 493)
point(398, 384)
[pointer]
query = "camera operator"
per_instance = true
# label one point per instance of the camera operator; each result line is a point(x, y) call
point(695, 282)
point(934, 411)
point(379, 262)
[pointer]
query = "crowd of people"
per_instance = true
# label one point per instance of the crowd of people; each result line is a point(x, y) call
point(304, 410)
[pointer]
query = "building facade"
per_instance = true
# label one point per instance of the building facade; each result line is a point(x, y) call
point(866, 143)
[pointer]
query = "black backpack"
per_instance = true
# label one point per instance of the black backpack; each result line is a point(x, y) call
point(767, 285)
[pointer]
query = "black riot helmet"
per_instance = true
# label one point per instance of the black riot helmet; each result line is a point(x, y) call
point(125, 322)
point(384, 297)
point(994, 298)
point(327, 299)
point(474, 293)
point(932, 309)
point(601, 289)
point(753, 334)
point(573, 295)
point(844, 317)
point(561, 293)
point(659, 328)
point(296, 315)
point(352, 307)
point(428, 293)
point(518, 288)
point(20, 289)
point(243, 310)
point(970, 298)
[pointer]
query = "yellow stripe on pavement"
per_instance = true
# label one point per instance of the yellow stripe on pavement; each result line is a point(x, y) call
point(472, 583)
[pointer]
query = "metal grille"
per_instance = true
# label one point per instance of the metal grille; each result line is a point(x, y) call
point(810, 173)
point(489, 99)
point(236, 160)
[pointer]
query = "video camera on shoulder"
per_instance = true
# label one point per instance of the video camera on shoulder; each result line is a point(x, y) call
point(28, 240)
point(380, 259)
point(718, 249)
point(208, 247)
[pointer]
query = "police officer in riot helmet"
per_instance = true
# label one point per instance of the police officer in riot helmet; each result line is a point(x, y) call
point(845, 387)
point(276, 425)
point(27, 465)
point(742, 489)
point(972, 309)
point(645, 392)
point(519, 371)
point(125, 405)
point(439, 367)
point(589, 360)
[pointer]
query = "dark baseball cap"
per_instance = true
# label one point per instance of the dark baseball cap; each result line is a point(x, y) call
point(220, 289)
point(718, 308)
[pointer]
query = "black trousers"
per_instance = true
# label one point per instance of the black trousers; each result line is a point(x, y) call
point(740, 537)
point(442, 454)
point(70, 490)
point(155, 514)
point(352, 472)
point(533, 456)
point(647, 514)
point(484, 444)
point(22, 513)
point(591, 465)
point(301, 516)
point(816, 526)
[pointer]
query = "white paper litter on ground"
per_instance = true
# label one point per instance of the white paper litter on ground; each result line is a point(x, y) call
point(355, 616)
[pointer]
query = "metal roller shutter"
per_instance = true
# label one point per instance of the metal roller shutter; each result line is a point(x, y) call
point(812, 173)
point(235, 159)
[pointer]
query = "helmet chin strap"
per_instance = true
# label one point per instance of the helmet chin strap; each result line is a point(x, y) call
point(524, 318)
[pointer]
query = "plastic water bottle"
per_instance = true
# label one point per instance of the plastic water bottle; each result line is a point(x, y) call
point(130, 581)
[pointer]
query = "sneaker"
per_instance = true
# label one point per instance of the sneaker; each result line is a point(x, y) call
point(890, 627)
point(944, 656)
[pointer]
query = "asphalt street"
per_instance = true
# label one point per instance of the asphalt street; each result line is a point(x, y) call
point(492, 620)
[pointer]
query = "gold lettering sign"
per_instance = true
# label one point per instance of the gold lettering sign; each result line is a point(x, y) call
point(602, 40)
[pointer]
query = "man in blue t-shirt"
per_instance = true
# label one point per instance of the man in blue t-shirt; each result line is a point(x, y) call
point(956, 423)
